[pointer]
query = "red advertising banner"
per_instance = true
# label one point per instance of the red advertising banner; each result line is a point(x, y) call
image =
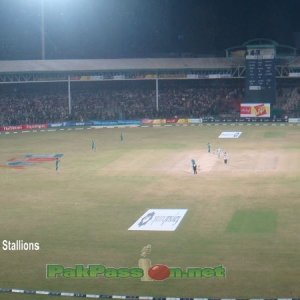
point(11, 128)
point(245, 110)
point(147, 121)
point(23, 127)
point(171, 121)
point(259, 110)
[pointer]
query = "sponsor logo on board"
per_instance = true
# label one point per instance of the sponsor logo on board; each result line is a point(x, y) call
point(159, 220)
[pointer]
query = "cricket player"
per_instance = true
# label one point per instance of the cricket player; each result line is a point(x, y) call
point(195, 169)
point(208, 147)
point(225, 156)
point(194, 166)
point(219, 150)
point(121, 137)
point(93, 145)
point(57, 163)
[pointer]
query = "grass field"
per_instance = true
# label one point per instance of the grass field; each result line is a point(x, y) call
point(244, 215)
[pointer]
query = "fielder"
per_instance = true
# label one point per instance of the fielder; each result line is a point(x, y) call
point(225, 157)
point(57, 164)
point(208, 147)
point(93, 145)
point(195, 169)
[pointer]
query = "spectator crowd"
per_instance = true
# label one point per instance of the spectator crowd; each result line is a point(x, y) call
point(49, 102)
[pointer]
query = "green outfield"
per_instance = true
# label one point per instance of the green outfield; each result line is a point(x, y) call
point(243, 216)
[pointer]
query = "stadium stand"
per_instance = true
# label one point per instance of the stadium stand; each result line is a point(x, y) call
point(109, 89)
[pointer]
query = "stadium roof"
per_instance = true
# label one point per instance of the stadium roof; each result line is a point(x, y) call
point(18, 66)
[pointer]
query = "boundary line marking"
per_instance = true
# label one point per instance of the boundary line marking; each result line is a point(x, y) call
point(101, 296)
point(148, 126)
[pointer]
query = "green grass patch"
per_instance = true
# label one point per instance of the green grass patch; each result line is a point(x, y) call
point(274, 134)
point(253, 221)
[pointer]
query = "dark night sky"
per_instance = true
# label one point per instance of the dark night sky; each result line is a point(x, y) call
point(141, 28)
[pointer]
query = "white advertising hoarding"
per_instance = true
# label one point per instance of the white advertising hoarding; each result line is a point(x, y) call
point(159, 220)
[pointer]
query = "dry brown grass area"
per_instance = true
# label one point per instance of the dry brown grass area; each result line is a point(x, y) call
point(179, 163)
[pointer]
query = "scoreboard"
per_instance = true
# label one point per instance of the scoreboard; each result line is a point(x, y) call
point(260, 75)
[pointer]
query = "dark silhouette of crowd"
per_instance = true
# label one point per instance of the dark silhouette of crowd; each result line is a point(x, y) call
point(288, 101)
point(32, 104)
point(38, 103)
